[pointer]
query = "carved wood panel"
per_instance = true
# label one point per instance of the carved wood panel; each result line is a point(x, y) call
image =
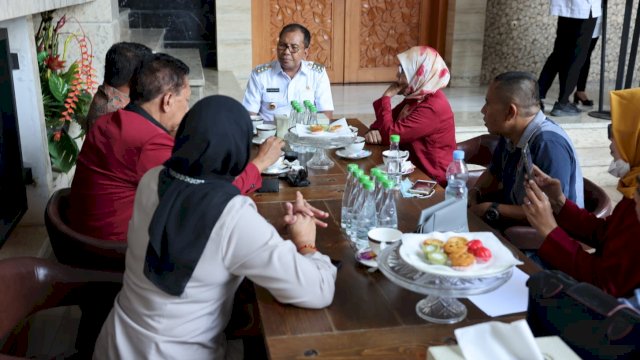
point(357, 40)
point(387, 30)
point(323, 18)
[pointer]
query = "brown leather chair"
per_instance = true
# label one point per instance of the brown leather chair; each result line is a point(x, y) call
point(31, 284)
point(478, 151)
point(596, 201)
point(75, 249)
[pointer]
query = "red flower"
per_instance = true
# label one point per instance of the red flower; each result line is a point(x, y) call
point(54, 63)
point(57, 135)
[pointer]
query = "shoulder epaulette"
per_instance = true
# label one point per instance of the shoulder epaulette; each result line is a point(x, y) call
point(262, 68)
point(317, 67)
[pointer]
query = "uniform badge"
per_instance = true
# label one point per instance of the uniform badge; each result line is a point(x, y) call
point(272, 106)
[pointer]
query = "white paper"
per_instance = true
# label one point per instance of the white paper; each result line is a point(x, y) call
point(303, 130)
point(494, 340)
point(512, 297)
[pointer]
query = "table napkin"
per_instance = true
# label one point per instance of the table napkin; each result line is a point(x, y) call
point(303, 130)
point(494, 340)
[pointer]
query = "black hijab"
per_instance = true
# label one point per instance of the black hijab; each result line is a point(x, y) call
point(212, 147)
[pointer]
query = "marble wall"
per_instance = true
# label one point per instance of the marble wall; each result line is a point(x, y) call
point(520, 35)
point(465, 37)
point(233, 33)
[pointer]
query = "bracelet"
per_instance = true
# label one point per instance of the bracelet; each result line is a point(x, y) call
point(307, 246)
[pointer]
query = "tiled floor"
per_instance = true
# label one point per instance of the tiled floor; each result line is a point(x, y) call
point(349, 101)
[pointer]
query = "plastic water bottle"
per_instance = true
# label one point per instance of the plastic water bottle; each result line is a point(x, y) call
point(394, 165)
point(356, 200)
point(366, 218)
point(457, 176)
point(313, 115)
point(352, 181)
point(388, 214)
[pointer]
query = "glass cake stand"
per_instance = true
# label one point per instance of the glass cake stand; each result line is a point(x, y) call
point(320, 159)
point(440, 306)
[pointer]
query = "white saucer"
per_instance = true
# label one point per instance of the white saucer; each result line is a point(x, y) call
point(276, 171)
point(353, 156)
point(383, 167)
point(257, 141)
point(366, 262)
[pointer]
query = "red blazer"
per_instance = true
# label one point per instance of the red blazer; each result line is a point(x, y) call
point(428, 131)
point(615, 266)
point(118, 150)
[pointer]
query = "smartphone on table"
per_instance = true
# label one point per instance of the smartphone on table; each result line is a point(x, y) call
point(423, 187)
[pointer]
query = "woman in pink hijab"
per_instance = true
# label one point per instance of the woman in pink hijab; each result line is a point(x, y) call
point(424, 119)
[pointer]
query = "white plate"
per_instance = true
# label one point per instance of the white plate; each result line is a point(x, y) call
point(502, 259)
point(257, 141)
point(353, 156)
point(383, 167)
point(277, 170)
point(365, 262)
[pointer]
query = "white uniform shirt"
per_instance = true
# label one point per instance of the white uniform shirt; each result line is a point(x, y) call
point(147, 323)
point(576, 9)
point(270, 90)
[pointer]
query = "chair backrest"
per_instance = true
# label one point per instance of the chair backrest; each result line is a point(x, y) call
point(478, 151)
point(596, 200)
point(31, 284)
point(76, 249)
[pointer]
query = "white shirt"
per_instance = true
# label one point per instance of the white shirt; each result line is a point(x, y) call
point(147, 323)
point(576, 9)
point(270, 90)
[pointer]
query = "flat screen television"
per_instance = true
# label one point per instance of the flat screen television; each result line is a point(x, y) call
point(13, 195)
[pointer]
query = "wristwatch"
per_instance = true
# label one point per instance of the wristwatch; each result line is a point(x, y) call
point(492, 213)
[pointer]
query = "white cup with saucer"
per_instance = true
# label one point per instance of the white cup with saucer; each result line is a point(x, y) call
point(355, 147)
point(265, 131)
point(380, 238)
point(255, 121)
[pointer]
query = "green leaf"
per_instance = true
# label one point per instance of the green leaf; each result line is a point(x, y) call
point(63, 152)
point(59, 89)
point(42, 56)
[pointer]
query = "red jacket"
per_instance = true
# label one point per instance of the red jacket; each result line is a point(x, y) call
point(428, 131)
point(615, 266)
point(118, 150)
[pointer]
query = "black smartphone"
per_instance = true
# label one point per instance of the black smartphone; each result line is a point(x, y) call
point(528, 162)
point(270, 185)
point(423, 187)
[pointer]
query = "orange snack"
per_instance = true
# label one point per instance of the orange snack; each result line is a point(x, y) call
point(334, 128)
point(462, 259)
point(316, 128)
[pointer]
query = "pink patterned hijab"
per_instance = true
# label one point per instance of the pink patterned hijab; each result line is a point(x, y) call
point(425, 69)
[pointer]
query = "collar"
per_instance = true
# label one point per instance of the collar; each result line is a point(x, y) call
point(303, 68)
point(529, 131)
point(142, 112)
point(112, 92)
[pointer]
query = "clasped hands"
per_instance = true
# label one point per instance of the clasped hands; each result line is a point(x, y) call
point(301, 218)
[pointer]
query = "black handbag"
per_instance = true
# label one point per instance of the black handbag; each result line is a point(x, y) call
point(593, 323)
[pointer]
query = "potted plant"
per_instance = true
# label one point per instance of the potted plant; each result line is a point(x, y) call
point(67, 90)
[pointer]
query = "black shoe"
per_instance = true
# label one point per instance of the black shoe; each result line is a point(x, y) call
point(566, 109)
point(586, 102)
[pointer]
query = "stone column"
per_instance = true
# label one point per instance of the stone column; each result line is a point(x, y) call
point(233, 36)
point(465, 36)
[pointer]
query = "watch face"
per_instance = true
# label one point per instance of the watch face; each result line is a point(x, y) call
point(492, 214)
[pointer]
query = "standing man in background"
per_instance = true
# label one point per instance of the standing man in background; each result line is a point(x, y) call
point(273, 86)
point(576, 22)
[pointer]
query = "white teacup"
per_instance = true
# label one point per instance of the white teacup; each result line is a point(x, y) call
point(255, 121)
point(379, 238)
point(388, 155)
point(265, 131)
point(356, 146)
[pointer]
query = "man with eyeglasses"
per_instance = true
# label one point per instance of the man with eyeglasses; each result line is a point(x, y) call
point(273, 86)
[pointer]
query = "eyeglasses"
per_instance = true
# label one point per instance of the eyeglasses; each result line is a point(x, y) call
point(292, 48)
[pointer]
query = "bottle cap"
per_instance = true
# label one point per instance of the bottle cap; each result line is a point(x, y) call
point(375, 172)
point(388, 184)
point(358, 172)
point(352, 167)
point(458, 155)
point(395, 138)
point(364, 178)
point(368, 185)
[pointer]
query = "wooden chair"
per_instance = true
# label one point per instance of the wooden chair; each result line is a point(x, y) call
point(75, 249)
point(479, 150)
point(31, 284)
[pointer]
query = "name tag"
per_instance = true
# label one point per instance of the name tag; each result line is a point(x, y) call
point(273, 90)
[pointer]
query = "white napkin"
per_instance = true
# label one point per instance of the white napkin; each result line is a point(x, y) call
point(303, 130)
point(293, 165)
point(407, 166)
point(494, 340)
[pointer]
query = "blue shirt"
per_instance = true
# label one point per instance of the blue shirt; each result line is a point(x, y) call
point(551, 150)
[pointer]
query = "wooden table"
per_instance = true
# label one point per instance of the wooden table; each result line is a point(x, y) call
point(370, 317)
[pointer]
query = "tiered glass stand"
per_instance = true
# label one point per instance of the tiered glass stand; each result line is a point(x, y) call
point(440, 306)
point(320, 159)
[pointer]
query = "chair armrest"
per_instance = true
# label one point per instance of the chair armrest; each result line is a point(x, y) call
point(524, 237)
